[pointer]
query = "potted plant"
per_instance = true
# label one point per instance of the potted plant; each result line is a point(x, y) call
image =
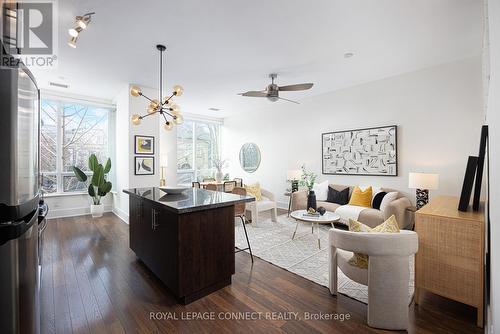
point(98, 186)
point(308, 179)
point(219, 165)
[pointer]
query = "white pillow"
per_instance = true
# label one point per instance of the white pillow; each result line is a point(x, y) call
point(388, 198)
point(321, 190)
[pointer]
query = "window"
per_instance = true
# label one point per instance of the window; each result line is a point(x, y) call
point(198, 145)
point(69, 132)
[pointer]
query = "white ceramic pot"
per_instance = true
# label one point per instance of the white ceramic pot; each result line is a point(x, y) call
point(96, 210)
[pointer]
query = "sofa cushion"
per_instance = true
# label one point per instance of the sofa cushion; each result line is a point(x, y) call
point(339, 197)
point(391, 196)
point(321, 190)
point(371, 217)
point(377, 199)
point(328, 206)
point(361, 198)
point(254, 190)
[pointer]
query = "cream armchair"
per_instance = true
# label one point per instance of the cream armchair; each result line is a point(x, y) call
point(387, 275)
point(267, 203)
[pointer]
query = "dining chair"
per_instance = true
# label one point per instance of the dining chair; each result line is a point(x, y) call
point(211, 186)
point(208, 179)
point(196, 184)
point(229, 186)
point(239, 211)
point(239, 181)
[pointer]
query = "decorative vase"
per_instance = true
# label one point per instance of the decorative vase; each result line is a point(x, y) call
point(219, 176)
point(311, 200)
point(96, 210)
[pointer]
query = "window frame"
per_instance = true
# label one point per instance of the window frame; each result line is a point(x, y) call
point(195, 171)
point(60, 100)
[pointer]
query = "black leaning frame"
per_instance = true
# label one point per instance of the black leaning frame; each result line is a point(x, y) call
point(480, 167)
point(377, 127)
point(141, 153)
point(135, 164)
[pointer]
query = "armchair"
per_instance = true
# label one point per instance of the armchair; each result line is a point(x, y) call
point(387, 275)
point(267, 203)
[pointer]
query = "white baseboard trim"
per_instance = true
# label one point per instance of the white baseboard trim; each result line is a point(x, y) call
point(282, 205)
point(73, 212)
point(121, 214)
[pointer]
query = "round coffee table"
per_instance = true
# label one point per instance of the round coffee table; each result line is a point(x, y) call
point(327, 218)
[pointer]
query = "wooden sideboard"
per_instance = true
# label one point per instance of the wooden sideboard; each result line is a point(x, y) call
point(450, 258)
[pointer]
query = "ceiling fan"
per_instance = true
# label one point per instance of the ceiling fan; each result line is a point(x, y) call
point(272, 90)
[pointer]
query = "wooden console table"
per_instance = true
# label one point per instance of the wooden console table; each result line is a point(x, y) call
point(450, 258)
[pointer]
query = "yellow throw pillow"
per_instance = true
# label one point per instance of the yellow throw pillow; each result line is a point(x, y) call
point(254, 190)
point(361, 198)
point(389, 226)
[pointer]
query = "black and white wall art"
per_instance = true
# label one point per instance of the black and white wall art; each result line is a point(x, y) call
point(370, 151)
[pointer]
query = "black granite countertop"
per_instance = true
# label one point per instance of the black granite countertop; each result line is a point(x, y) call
point(192, 199)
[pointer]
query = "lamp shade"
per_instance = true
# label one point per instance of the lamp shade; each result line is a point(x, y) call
point(295, 174)
point(163, 160)
point(423, 181)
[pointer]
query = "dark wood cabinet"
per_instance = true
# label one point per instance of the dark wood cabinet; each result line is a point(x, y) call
point(191, 253)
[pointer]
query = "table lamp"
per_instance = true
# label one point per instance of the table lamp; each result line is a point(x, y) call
point(422, 182)
point(293, 176)
point(163, 164)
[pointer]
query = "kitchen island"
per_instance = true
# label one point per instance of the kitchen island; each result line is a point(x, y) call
point(186, 240)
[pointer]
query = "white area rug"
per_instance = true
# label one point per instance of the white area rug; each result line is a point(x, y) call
point(273, 243)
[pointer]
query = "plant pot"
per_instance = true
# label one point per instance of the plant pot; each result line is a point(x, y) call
point(96, 210)
point(311, 200)
point(219, 176)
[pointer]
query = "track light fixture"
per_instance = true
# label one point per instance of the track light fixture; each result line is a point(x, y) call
point(81, 23)
point(162, 105)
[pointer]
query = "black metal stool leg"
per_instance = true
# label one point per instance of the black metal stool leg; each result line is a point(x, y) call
point(246, 235)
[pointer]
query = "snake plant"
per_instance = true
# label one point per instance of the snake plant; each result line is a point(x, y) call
point(98, 186)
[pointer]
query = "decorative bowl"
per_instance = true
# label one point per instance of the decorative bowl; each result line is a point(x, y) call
point(174, 189)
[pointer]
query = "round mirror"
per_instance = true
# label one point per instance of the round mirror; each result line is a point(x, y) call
point(249, 157)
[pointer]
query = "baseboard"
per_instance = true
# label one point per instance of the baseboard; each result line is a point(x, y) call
point(121, 214)
point(282, 205)
point(73, 212)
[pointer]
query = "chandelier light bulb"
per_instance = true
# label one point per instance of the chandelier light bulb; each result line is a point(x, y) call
point(168, 126)
point(178, 90)
point(178, 119)
point(135, 91)
point(174, 108)
point(136, 119)
point(73, 32)
point(80, 22)
point(154, 104)
point(150, 110)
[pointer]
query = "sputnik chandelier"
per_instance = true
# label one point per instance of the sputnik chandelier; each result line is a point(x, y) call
point(164, 107)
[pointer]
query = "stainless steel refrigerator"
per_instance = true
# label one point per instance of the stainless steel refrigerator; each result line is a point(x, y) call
point(19, 189)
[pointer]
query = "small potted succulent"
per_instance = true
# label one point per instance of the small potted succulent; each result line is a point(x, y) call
point(98, 186)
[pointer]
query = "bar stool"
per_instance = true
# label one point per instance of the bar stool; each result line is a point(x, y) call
point(239, 211)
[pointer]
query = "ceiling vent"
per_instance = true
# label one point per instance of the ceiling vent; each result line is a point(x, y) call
point(60, 85)
point(214, 109)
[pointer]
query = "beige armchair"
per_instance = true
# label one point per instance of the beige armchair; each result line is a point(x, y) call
point(387, 275)
point(267, 203)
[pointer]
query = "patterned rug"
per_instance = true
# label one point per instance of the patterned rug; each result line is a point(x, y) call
point(273, 243)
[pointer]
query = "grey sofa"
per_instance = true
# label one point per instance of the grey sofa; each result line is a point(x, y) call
point(369, 216)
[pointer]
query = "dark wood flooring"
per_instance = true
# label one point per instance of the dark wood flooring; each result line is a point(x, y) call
point(93, 283)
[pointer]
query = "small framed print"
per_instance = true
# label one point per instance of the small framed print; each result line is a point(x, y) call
point(144, 165)
point(144, 144)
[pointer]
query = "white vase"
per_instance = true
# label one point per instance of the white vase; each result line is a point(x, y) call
point(96, 210)
point(219, 176)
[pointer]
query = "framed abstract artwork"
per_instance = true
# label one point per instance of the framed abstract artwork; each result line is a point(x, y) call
point(371, 151)
point(144, 165)
point(144, 144)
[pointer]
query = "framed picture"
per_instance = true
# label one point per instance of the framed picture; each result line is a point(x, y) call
point(144, 165)
point(371, 151)
point(144, 145)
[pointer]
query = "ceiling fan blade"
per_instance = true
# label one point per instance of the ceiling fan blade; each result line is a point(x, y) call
point(288, 100)
point(254, 94)
point(303, 86)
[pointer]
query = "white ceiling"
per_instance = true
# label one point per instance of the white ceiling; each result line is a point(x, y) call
point(217, 49)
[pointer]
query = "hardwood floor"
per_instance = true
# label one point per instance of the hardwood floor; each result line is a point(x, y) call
point(93, 283)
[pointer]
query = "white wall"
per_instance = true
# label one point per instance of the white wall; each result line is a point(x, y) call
point(165, 142)
point(69, 205)
point(493, 119)
point(438, 111)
